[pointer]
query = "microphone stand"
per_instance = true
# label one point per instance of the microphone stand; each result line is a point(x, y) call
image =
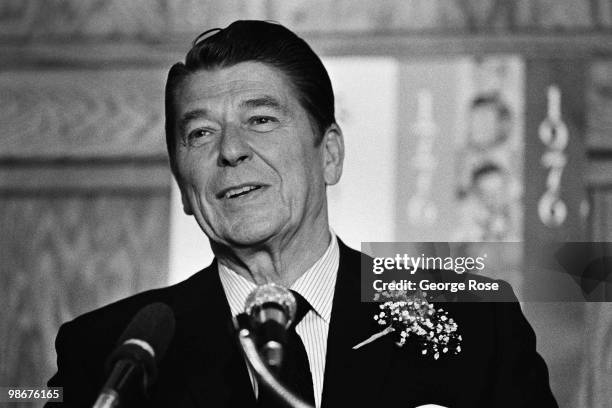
point(264, 375)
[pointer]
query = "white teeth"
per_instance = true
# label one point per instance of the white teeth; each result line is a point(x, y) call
point(237, 191)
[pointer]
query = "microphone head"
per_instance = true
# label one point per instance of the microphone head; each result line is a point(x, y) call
point(271, 301)
point(146, 339)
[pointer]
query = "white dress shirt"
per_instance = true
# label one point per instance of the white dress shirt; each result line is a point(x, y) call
point(316, 285)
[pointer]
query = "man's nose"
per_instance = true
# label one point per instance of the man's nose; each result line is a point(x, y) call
point(233, 148)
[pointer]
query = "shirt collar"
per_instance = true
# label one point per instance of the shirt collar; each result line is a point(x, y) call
point(316, 285)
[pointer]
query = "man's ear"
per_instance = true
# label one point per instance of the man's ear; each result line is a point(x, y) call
point(333, 154)
point(186, 206)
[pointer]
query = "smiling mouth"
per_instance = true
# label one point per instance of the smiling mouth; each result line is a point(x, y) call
point(239, 192)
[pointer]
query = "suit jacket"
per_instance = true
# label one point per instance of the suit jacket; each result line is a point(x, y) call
point(497, 367)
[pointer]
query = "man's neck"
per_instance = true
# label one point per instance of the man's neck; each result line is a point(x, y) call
point(280, 261)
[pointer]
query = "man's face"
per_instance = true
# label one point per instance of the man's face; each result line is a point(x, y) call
point(248, 163)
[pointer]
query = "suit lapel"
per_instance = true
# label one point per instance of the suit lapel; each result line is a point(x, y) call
point(367, 376)
point(216, 371)
point(353, 377)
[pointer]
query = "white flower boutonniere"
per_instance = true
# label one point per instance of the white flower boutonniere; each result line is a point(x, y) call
point(412, 315)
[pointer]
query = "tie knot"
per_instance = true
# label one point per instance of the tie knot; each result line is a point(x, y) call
point(302, 308)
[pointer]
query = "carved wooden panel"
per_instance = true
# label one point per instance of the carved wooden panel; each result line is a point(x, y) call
point(82, 113)
point(418, 15)
point(76, 18)
point(156, 19)
point(63, 255)
point(196, 16)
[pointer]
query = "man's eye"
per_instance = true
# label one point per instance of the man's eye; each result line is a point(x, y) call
point(199, 133)
point(263, 123)
point(261, 120)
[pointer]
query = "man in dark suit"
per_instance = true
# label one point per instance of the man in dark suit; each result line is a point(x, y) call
point(253, 144)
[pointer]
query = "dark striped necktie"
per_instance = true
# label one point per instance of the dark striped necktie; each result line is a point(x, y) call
point(295, 372)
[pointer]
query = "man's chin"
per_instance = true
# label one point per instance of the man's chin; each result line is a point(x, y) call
point(252, 236)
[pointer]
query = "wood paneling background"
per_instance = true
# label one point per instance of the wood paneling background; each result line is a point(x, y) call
point(63, 255)
point(155, 19)
point(84, 200)
point(106, 114)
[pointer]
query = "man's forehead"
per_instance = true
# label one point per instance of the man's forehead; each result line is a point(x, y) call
point(238, 83)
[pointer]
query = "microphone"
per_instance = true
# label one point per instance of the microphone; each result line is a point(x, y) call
point(272, 308)
point(141, 347)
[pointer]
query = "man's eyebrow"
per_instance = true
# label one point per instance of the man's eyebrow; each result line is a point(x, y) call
point(191, 115)
point(264, 101)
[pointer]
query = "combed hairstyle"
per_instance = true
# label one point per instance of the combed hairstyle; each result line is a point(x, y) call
point(257, 41)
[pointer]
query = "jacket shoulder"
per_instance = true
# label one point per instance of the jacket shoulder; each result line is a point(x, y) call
point(84, 343)
point(110, 320)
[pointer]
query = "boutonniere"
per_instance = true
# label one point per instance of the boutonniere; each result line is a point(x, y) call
point(413, 316)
